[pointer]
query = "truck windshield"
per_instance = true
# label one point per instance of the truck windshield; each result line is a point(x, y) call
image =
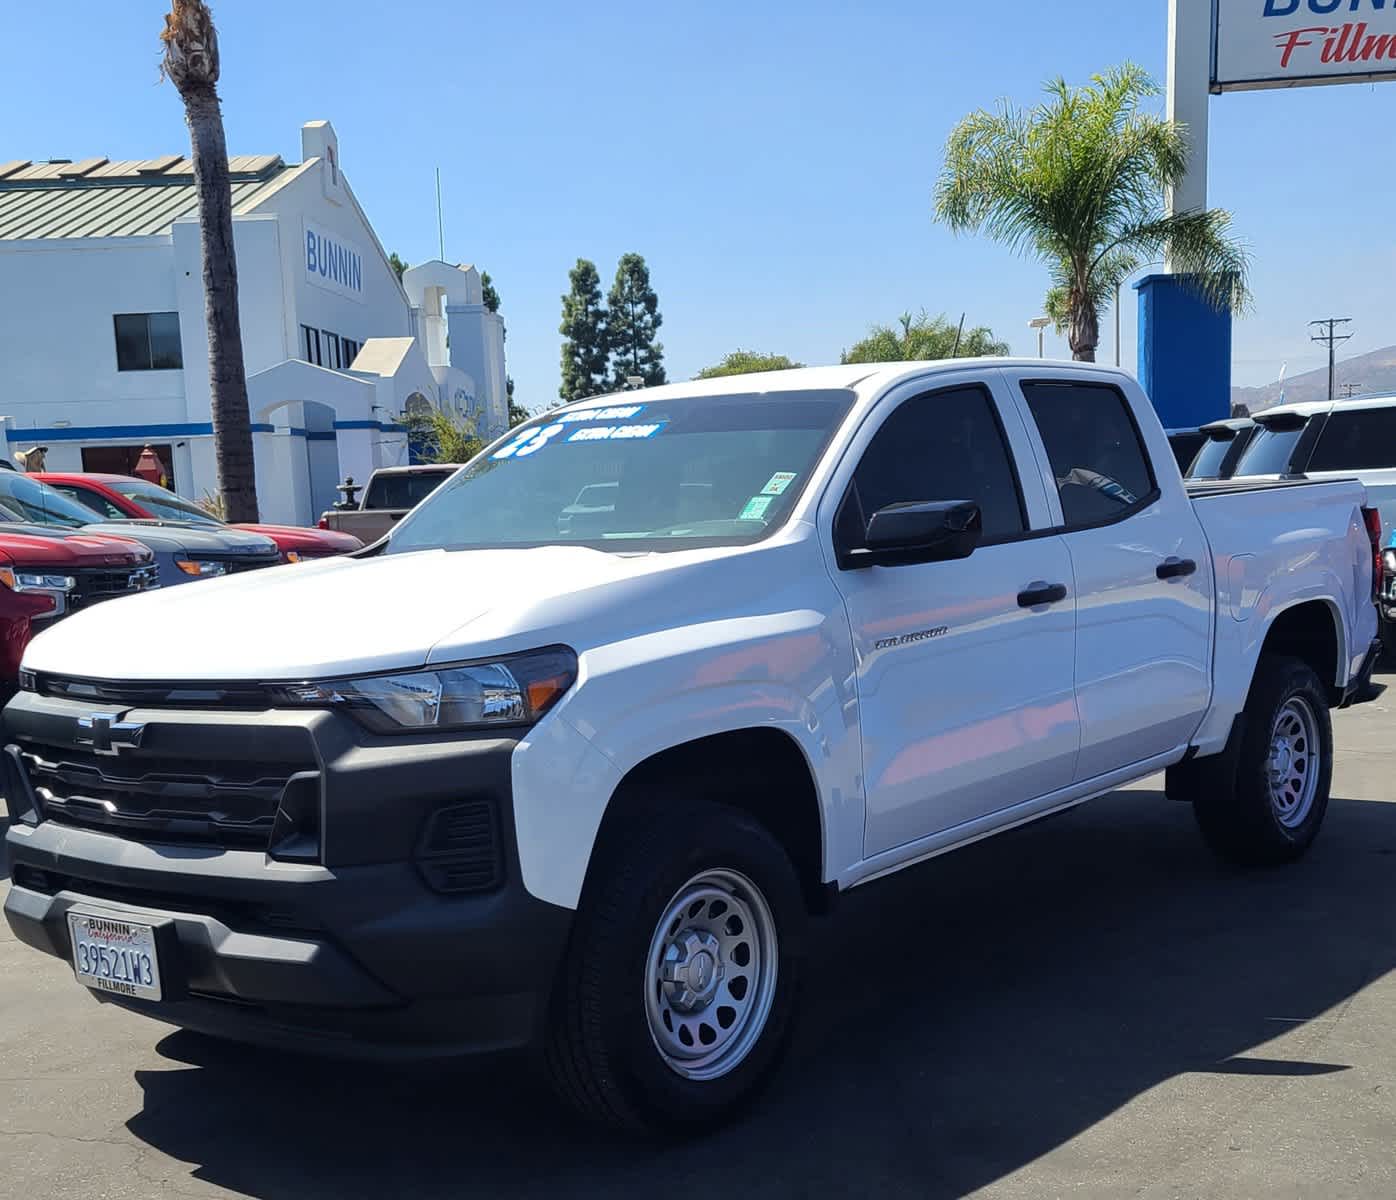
point(647, 475)
point(25, 499)
point(1271, 448)
point(163, 504)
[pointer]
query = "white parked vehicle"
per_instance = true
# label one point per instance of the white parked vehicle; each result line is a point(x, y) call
point(814, 627)
point(1343, 440)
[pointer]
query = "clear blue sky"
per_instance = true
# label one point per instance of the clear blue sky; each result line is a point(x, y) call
point(772, 161)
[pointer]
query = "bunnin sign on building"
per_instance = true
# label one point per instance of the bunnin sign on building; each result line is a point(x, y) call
point(1299, 43)
point(332, 262)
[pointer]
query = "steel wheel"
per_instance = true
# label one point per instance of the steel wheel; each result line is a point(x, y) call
point(1293, 764)
point(711, 974)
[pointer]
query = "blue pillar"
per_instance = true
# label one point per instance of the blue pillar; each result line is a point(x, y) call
point(1184, 353)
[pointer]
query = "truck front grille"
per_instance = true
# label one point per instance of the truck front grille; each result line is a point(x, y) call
point(106, 583)
point(236, 566)
point(226, 804)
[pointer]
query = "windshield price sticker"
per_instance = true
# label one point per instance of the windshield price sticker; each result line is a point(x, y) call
point(778, 482)
point(620, 413)
point(615, 433)
point(756, 508)
point(529, 442)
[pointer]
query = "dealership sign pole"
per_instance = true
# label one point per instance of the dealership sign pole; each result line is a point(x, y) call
point(1217, 46)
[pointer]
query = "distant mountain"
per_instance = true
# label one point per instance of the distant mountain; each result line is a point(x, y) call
point(1375, 372)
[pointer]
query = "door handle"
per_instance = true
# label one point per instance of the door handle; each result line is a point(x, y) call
point(1041, 593)
point(1175, 568)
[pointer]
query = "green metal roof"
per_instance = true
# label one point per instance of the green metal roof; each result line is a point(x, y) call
point(98, 198)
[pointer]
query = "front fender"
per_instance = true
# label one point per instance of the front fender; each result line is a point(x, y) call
point(638, 698)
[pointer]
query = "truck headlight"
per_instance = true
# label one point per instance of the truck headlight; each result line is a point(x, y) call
point(1388, 561)
point(510, 691)
point(201, 568)
point(27, 581)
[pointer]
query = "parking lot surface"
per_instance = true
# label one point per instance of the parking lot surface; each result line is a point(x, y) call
point(1091, 1006)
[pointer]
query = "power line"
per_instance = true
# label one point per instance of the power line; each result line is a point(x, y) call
point(1330, 337)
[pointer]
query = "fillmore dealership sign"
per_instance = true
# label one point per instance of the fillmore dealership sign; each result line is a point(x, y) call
point(1293, 43)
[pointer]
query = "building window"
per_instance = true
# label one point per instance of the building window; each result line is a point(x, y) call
point(310, 339)
point(331, 341)
point(350, 352)
point(148, 342)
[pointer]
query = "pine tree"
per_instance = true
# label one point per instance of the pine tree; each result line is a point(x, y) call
point(632, 320)
point(488, 295)
point(584, 330)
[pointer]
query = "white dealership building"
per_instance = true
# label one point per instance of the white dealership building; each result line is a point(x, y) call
point(103, 348)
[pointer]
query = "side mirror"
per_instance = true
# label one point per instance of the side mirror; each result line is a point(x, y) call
point(919, 532)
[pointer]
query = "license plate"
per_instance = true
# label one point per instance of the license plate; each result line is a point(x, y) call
point(112, 955)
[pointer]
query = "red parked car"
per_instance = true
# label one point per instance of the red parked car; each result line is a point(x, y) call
point(47, 573)
point(127, 496)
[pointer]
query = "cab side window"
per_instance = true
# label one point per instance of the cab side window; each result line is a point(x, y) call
point(940, 446)
point(1098, 459)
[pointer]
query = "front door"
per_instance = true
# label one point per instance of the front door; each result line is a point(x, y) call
point(964, 689)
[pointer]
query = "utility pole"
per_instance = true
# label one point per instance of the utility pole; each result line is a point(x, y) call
point(1330, 337)
point(1350, 390)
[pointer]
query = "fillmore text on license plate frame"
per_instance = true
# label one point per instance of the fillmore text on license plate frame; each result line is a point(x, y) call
point(112, 954)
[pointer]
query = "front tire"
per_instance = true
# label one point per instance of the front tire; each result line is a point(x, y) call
point(676, 998)
point(1264, 803)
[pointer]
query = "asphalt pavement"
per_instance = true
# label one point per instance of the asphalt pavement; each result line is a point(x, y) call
point(1090, 1007)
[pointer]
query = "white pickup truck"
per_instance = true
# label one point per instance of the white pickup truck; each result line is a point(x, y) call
point(825, 624)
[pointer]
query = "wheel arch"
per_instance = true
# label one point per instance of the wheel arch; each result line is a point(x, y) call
point(762, 771)
point(1312, 631)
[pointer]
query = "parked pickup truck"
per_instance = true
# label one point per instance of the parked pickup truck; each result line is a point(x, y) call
point(391, 494)
point(839, 621)
point(47, 574)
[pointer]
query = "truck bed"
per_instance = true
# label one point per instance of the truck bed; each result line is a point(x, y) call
point(1274, 541)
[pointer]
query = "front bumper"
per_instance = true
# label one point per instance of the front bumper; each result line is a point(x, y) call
point(373, 949)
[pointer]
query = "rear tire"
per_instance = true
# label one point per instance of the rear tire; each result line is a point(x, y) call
point(1262, 802)
point(675, 1002)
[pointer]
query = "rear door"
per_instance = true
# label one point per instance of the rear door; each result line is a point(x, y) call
point(964, 686)
point(1142, 572)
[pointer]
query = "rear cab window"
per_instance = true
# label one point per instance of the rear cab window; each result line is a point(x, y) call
point(1362, 439)
point(1210, 459)
point(1273, 445)
point(1098, 459)
point(406, 489)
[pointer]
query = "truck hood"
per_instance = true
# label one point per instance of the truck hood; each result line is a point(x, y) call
point(177, 537)
point(40, 545)
point(338, 616)
point(306, 540)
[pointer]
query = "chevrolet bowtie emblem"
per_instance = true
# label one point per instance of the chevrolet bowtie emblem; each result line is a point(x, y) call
point(108, 735)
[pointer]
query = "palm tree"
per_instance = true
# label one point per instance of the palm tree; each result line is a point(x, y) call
point(191, 64)
point(1079, 181)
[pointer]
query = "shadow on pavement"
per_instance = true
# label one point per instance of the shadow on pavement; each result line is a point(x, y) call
point(961, 1019)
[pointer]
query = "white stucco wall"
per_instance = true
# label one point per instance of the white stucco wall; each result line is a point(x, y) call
point(58, 372)
point(57, 339)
